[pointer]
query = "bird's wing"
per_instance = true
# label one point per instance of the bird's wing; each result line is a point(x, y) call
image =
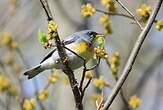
point(72, 38)
point(67, 41)
point(48, 55)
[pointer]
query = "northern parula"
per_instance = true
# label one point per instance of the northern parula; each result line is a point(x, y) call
point(79, 42)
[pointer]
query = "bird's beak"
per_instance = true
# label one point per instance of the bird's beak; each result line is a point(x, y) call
point(99, 35)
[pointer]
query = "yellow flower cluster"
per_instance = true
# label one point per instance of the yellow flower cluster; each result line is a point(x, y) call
point(100, 82)
point(89, 74)
point(96, 98)
point(13, 1)
point(29, 104)
point(134, 102)
point(53, 78)
point(52, 30)
point(104, 20)
point(12, 91)
point(7, 39)
point(5, 83)
point(65, 80)
point(114, 63)
point(9, 60)
point(17, 68)
point(87, 10)
point(43, 95)
point(144, 11)
point(100, 53)
point(110, 4)
point(159, 25)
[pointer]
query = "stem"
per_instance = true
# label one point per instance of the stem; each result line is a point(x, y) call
point(118, 14)
point(132, 57)
point(123, 97)
point(114, 14)
point(129, 12)
point(121, 91)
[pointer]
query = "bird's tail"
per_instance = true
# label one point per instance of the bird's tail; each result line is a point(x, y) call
point(33, 72)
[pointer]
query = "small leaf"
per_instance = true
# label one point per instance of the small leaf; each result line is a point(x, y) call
point(100, 42)
point(42, 37)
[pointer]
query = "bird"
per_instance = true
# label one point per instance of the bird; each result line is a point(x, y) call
point(79, 42)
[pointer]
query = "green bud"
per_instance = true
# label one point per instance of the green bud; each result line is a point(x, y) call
point(100, 42)
point(42, 37)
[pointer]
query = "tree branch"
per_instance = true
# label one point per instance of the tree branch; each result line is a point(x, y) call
point(129, 12)
point(115, 14)
point(62, 54)
point(86, 86)
point(118, 14)
point(132, 57)
point(85, 69)
point(121, 91)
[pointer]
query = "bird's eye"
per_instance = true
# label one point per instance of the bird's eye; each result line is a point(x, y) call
point(91, 34)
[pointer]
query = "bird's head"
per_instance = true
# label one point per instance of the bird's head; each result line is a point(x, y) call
point(87, 35)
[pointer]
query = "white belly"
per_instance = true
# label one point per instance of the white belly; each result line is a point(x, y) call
point(52, 62)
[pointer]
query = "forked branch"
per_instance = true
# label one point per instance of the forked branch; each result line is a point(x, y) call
point(132, 57)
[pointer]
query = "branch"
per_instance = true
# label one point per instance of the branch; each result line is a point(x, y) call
point(123, 97)
point(62, 54)
point(132, 57)
point(46, 9)
point(86, 86)
point(118, 14)
point(121, 91)
point(96, 65)
point(115, 14)
point(85, 69)
point(129, 12)
point(101, 104)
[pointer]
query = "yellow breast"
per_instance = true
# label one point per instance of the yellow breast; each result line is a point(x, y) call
point(83, 48)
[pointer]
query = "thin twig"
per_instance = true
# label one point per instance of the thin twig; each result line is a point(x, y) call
point(37, 96)
point(118, 14)
point(82, 80)
point(129, 12)
point(46, 9)
point(101, 104)
point(85, 69)
point(86, 86)
point(47, 85)
point(96, 65)
point(3, 67)
point(132, 57)
point(115, 14)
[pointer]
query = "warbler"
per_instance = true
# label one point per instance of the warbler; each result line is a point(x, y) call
point(80, 42)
